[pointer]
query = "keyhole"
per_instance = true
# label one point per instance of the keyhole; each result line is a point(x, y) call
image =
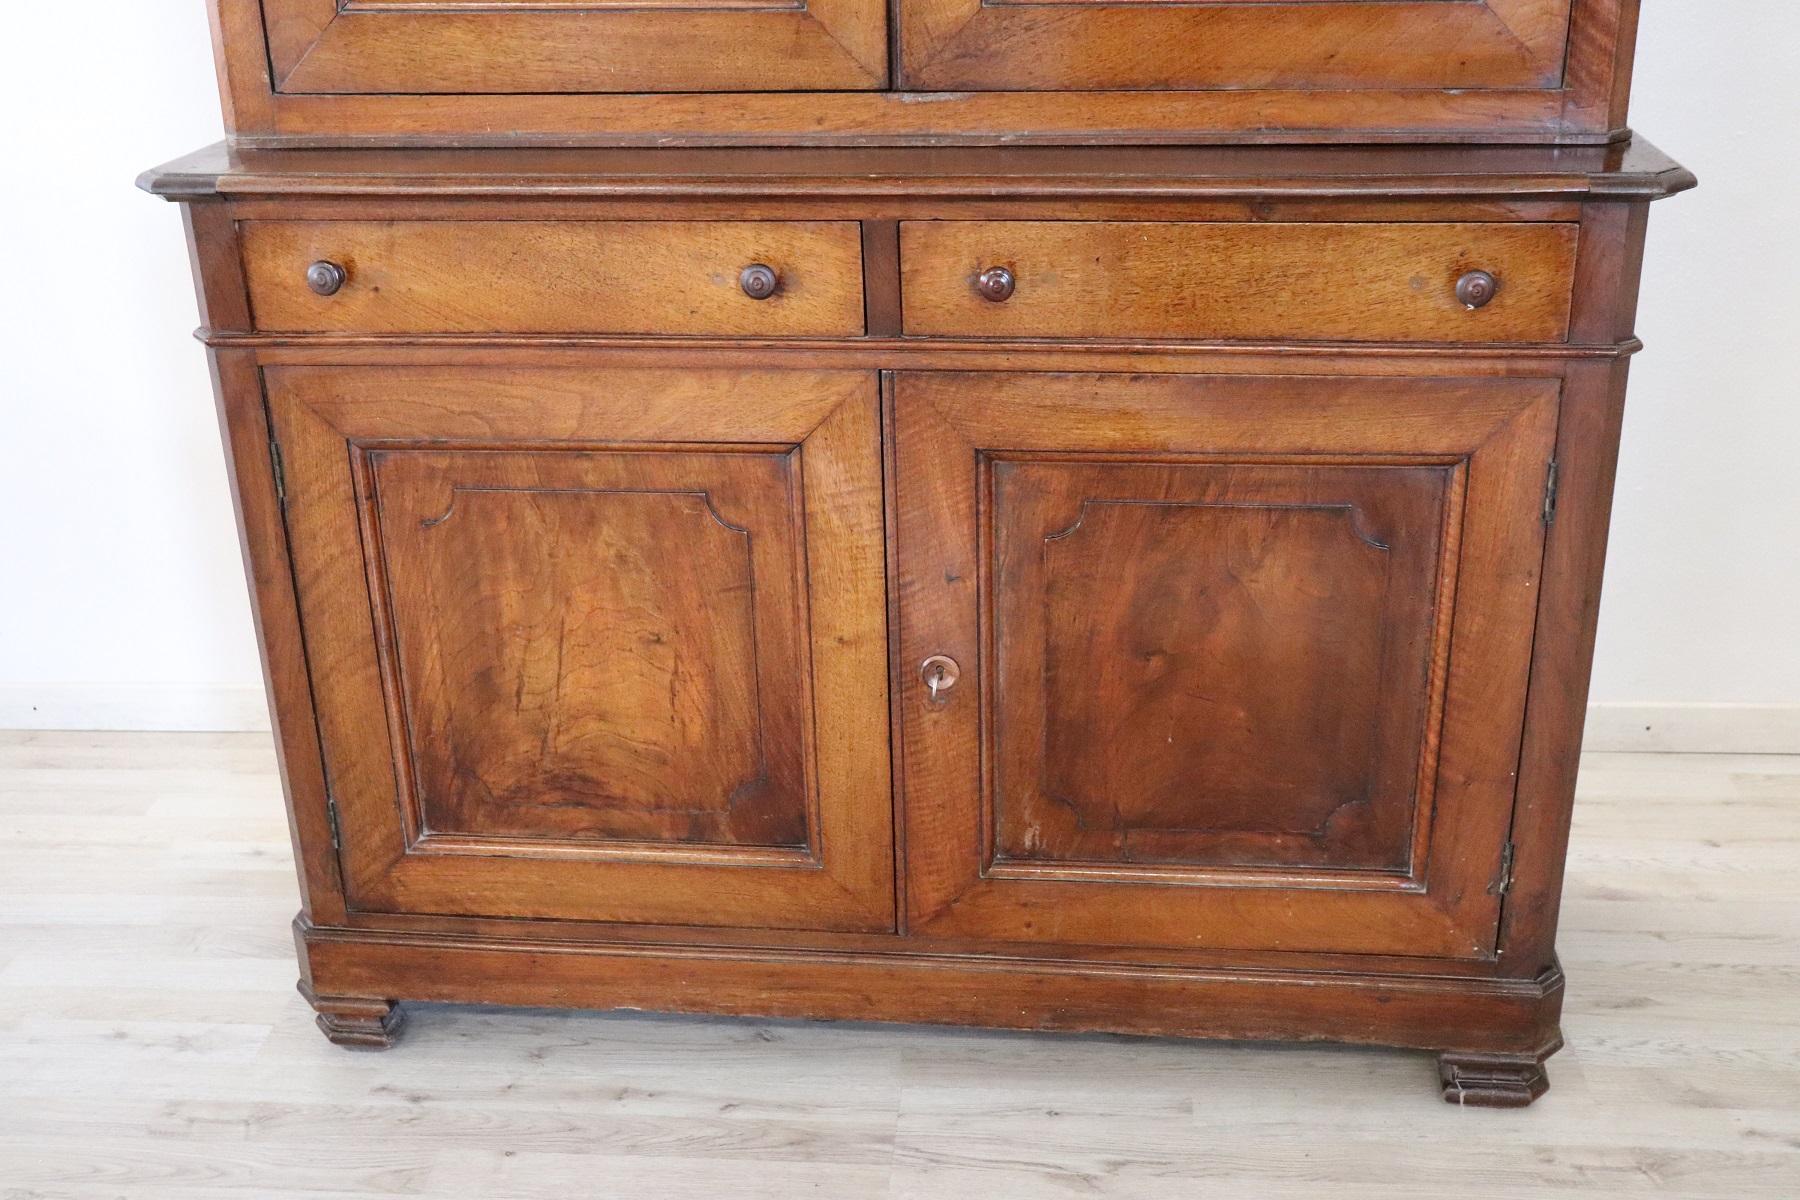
point(940, 673)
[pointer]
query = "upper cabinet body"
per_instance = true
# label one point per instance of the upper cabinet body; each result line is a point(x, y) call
point(856, 71)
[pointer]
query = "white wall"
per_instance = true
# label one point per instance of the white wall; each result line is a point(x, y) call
point(123, 604)
point(1702, 600)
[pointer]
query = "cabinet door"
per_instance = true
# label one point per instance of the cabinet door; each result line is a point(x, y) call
point(1208, 45)
point(1240, 662)
point(423, 47)
point(571, 633)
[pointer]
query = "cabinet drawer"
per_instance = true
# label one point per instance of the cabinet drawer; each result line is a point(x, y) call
point(1334, 282)
point(652, 277)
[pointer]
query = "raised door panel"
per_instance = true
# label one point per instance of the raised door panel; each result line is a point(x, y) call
point(1244, 660)
point(1212, 664)
point(1267, 45)
point(564, 675)
point(500, 47)
point(570, 634)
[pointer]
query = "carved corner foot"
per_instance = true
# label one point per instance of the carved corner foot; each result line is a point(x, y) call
point(355, 1022)
point(1493, 1080)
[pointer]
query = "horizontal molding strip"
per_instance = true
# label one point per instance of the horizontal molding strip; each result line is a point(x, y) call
point(1425, 1012)
point(908, 349)
point(1634, 171)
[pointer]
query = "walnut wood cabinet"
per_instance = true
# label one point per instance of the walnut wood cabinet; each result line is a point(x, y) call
point(790, 571)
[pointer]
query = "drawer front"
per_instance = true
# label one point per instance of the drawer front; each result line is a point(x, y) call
point(1330, 282)
point(649, 277)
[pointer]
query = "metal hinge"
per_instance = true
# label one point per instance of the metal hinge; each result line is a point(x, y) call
point(280, 475)
point(331, 816)
point(1504, 884)
point(1550, 493)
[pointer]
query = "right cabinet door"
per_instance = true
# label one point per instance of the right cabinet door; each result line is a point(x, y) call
point(1215, 45)
point(1219, 662)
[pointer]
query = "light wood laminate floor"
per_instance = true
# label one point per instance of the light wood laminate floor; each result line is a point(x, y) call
point(152, 1044)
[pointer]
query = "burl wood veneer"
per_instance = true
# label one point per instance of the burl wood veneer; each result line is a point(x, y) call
point(1126, 587)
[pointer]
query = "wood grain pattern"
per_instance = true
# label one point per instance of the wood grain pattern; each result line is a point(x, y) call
point(956, 45)
point(1212, 664)
point(1569, 609)
point(217, 263)
point(1512, 1017)
point(949, 427)
point(1496, 116)
point(275, 609)
point(322, 46)
point(579, 735)
point(568, 276)
point(563, 675)
point(1317, 281)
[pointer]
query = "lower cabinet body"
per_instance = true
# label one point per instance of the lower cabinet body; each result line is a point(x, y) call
point(1183, 665)
point(1207, 691)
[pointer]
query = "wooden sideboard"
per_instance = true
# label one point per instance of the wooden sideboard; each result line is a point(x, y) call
point(1138, 589)
point(1055, 515)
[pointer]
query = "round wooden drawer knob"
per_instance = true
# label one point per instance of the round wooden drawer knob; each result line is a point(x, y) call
point(758, 281)
point(1476, 289)
point(325, 278)
point(995, 283)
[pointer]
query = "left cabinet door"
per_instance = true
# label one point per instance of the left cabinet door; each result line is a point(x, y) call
point(570, 632)
point(552, 47)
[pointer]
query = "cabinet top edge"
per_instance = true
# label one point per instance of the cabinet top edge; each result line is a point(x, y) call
point(1630, 170)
